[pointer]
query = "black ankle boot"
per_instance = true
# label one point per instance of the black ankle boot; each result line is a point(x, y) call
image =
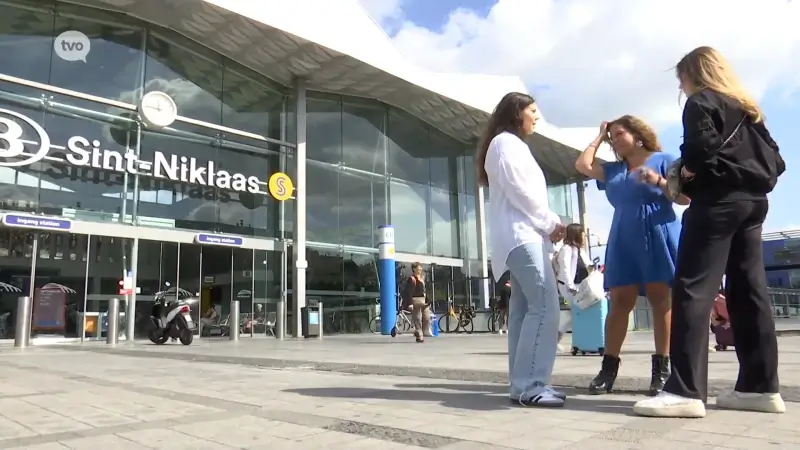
point(659, 374)
point(604, 381)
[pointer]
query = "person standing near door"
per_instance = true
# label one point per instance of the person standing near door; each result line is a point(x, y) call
point(729, 163)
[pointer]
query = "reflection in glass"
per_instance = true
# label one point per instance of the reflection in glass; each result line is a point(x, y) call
point(242, 289)
point(324, 129)
point(469, 220)
point(444, 223)
point(325, 272)
point(443, 153)
point(322, 220)
point(361, 273)
point(409, 204)
point(362, 208)
point(250, 105)
point(409, 148)
point(363, 141)
point(113, 64)
point(190, 75)
point(27, 42)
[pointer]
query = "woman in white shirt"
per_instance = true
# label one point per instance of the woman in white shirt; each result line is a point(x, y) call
point(572, 266)
point(522, 229)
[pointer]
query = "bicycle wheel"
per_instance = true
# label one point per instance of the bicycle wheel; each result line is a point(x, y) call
point(494, 322)
point(375, 325)
point(448, 324)
point(403, 323)
point(467, 325)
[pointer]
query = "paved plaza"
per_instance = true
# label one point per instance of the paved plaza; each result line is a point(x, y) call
point(360, 392)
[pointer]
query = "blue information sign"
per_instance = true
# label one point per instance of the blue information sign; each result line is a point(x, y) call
point(40, 222)
point(219, 239)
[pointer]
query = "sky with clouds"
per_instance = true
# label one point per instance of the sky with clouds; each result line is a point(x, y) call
point(587, 61)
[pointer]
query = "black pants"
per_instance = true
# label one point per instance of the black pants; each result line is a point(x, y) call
point(717, 239)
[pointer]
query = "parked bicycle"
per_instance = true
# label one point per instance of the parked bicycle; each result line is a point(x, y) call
point(462, 321)
point(497, 319)
point(402, 322)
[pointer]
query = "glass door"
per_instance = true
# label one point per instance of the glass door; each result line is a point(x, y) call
point(107, 262)
point(17, 248)
point(268, 290)
point(216, 288)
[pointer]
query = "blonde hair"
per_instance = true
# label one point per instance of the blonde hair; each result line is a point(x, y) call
point(706, 68)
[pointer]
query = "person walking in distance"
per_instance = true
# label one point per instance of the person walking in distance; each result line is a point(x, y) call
point(571, 264)
point(522, 227)
point(643, 241)
point(729, 165)
point(416, 299)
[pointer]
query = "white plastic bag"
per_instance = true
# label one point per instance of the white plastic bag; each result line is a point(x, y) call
point(590, 291)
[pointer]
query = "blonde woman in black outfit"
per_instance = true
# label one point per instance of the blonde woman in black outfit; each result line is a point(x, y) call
point(730, 164)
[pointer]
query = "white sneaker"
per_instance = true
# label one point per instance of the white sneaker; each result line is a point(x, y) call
point(546, 398)
point(556, 392)
point(712, 348)
point(747, 401)
point(670, 405)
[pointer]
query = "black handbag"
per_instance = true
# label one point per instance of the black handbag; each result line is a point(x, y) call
point(675, 182)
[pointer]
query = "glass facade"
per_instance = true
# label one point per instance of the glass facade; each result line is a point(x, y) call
point(368, 165)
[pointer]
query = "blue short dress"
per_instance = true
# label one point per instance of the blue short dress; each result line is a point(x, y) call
point(643, 242)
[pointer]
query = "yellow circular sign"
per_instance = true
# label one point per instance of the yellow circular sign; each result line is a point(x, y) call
point(280, 186)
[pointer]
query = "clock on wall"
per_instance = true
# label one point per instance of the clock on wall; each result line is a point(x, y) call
point(157, 109)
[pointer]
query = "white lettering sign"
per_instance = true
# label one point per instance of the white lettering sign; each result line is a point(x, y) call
point(72, 45)
point(81, 152)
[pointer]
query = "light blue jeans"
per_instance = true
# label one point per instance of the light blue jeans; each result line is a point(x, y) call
point(532, 320)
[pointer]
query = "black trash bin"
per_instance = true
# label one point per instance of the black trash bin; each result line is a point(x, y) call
point(311, 320)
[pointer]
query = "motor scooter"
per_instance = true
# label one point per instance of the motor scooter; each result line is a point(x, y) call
point(171, 317)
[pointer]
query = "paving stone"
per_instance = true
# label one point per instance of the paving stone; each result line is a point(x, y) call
point(108, 400)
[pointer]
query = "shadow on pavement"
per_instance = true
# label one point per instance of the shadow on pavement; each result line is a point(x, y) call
point(480, 397)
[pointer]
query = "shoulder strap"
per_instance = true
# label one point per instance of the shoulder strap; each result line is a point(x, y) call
point(555, 260)
point(735, 130)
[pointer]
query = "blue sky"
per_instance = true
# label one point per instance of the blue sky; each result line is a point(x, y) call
point(588, 61)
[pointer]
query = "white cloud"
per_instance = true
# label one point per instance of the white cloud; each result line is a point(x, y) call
point(388, 13)
point(591, 60)
point(588, 60)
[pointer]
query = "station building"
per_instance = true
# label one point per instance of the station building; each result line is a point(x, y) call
point(234, 150)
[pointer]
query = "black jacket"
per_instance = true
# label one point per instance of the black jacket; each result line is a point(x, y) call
point(746, 168)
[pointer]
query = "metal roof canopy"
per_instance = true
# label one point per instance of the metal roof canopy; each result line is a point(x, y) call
point(282, 56)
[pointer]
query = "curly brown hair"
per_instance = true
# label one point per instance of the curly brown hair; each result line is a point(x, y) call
point(640, 130)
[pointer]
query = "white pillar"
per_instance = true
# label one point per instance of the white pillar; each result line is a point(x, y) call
point(299, 238)
point(483, 252)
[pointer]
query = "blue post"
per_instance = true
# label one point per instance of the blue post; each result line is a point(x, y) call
point(386, 274)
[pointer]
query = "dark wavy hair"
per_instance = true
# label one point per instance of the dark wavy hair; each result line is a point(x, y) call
point(507, 116)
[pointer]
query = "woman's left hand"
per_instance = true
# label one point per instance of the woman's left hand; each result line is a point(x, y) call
point(649, 176)
point(685, 174)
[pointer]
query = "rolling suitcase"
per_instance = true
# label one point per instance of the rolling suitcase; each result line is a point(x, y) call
point(588, 328)
point(724, 337)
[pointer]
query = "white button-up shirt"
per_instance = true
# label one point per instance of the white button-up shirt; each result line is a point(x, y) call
point(519, 212)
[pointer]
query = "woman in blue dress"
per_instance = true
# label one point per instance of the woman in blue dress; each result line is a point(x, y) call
point(643, 241)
